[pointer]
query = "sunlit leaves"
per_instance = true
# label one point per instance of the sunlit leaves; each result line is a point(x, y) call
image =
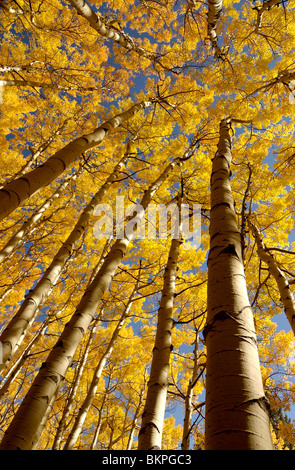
point(47, 42)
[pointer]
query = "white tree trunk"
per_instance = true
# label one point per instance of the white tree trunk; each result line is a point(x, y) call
point(24, 426)
point(107, 30)
point(150, 434)
point(18, 191)
point(83, 410)
point(237, 411)
point(287, 297)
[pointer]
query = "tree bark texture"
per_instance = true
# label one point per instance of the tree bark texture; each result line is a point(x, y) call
point(150, 434)
point(237, 411)
point(214, 10)
point(20, 435)
point(105, 29)
point(83, 411)
point(18, 191)
point(287, 297)
point(27, 227)
point(19, 324)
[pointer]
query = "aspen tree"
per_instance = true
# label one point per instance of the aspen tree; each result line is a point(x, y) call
point(99, 421)
point(19, 68)
point(237, 411)
point(22, 430)
point(150, 434)
point(73, 391)
point(44, 420)
point(31, 222)
point(36, 153)
point(18, 191)
point(83, 410)
point(15, 369)
point(18, 326)
point(266, 256)
point(52, 86)
point(75, 385)
point(214, 10)
point(107, 30)
point(187, 425)
point(136, 418)
point(266, 6)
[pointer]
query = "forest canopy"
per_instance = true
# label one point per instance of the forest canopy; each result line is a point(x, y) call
point(177, 338)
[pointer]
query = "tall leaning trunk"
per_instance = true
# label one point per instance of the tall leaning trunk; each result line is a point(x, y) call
point(286, 294)
point(73, 392)
point(36, 152)
point(16, 330)
point(105, 29)
point(21, 432)
point(150, 434)
point(92, 389)
point(18, 191)
point(214, 10)
point(237, 411)
point(26, 229)
point(188, 400)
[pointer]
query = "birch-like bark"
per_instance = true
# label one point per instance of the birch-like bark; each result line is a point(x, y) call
point(83, 410)
point(286, 294)
point(150, 434)
point(214, 10)
point(21, 432)
point(99, 421)
point(13, 372)
point(74, 388)
point(19, 68)
point(237, 411)
point(44, 420)
point(135, 419)
point(35, 154)
point(31, 222)
point(15, 331)
point(18, 191)
point(187, 426)
point(15, 369)
point(105, 29)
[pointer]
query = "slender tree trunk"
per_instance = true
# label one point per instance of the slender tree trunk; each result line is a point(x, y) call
point(15, 193)
point(15, 331)
point(187, 426)
point(287, 297)
point(214, 10)
point(44, 419)
point(74, 388)
point(266, 6)
point(105, 29)
point(83, 410)
point(15, 369)
point(237, 411)
point(27, 226)
point(35, 154)
point(19, 68)
point(52, 86)
point(135, 419)
point(21, 432)
point(62, 424)
point(99, 422)
point(150, 434)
